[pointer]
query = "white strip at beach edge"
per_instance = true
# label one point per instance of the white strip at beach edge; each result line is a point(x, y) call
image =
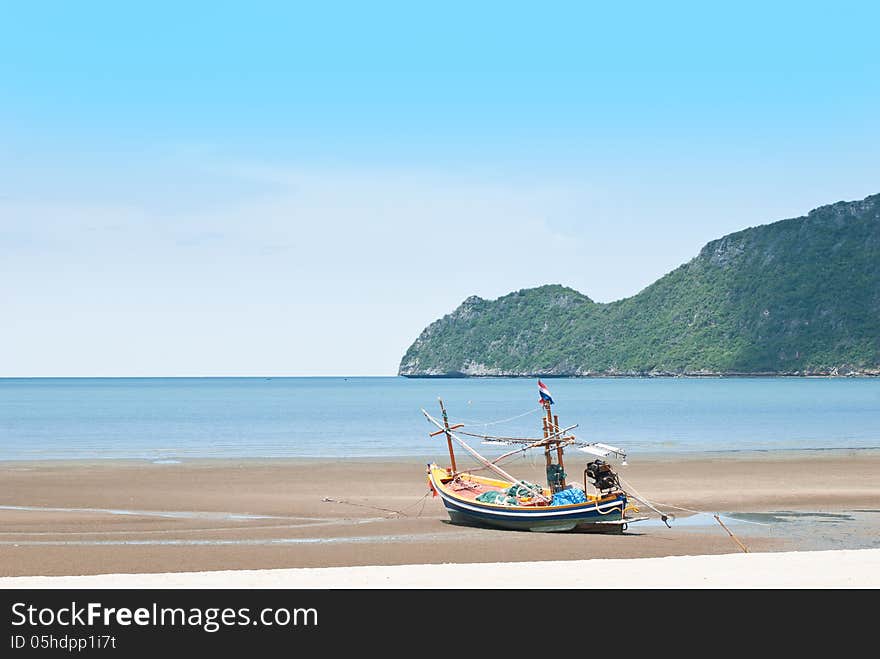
point(846, 568)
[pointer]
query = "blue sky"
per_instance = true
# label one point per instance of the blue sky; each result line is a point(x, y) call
point(270, 189)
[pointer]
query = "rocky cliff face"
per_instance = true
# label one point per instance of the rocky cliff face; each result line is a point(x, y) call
point(799, 296)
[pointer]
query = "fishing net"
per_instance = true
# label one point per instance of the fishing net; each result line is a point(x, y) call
point(569, 496)
point(523, 489)
point(499, 498)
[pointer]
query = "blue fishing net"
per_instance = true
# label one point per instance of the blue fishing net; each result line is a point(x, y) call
point(569, 496)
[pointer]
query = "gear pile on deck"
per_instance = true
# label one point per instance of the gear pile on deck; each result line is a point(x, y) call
point(597, 504)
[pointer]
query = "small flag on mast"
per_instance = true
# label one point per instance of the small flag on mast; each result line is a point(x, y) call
point(545, 394)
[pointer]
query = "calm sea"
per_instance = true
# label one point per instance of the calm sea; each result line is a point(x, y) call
point(175, 419)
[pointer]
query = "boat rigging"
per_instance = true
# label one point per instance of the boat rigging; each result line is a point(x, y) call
point(506, 502)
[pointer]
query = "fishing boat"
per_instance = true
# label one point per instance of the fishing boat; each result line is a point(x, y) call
point(598, 504)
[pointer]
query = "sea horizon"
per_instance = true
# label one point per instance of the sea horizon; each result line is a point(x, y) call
point(180, 418)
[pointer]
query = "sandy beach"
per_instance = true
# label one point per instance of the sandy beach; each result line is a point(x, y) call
point(114, 517)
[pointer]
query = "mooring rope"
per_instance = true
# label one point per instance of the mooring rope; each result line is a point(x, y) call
point(689, 510)
point(664, 517)
point(638, 497)
point(704, 512)
point(387, 510)
point(422, 500)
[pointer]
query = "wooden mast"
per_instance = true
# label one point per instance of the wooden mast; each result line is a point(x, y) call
point(536, 490)
point(551, 429)
point(558, 445)
point(447, 431)
point(546, 423)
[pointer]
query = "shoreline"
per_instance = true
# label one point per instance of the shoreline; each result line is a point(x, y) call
point(651, 457)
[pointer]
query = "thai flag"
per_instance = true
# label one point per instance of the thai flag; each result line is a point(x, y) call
point(545, 393)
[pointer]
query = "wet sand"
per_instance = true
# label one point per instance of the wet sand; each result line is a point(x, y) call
point(77, 518)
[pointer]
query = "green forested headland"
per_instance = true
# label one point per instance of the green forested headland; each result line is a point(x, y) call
point(799, 296)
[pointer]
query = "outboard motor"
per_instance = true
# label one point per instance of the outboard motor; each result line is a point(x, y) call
point(601, 476)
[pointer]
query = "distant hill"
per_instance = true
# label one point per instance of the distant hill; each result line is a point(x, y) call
point(800, 296)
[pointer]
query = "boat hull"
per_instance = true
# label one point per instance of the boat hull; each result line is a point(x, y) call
point(602, 515)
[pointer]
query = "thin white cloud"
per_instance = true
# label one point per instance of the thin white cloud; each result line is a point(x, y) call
point(210, 266)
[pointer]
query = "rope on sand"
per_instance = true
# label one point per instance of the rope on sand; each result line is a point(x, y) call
point(422, 500)
point(387, 510)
